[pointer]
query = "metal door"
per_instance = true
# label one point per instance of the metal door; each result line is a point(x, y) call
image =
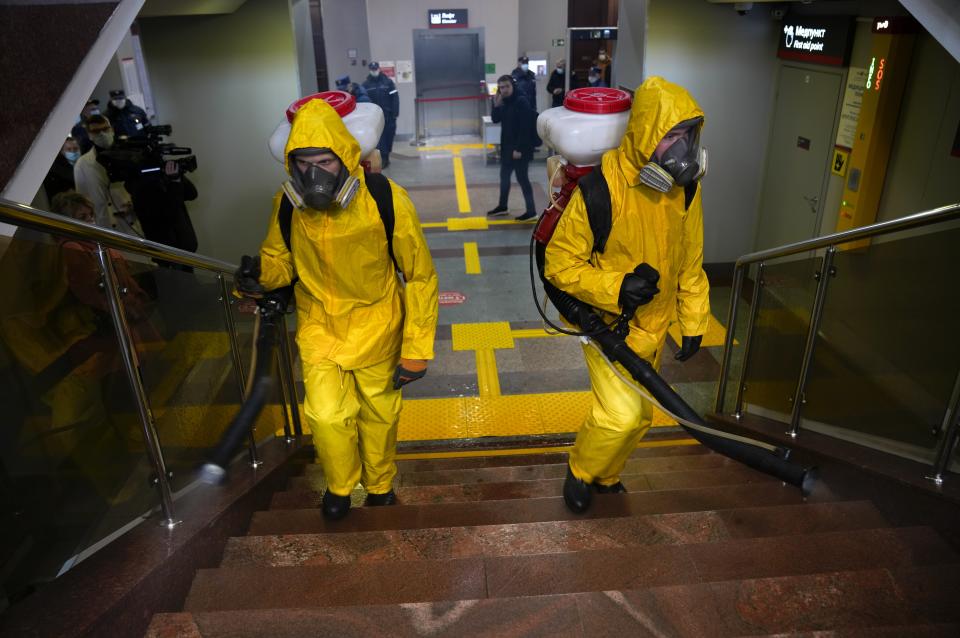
point(449, 77)
point(798, 159)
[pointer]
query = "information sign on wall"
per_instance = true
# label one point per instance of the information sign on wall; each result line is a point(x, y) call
point(816, 39)
point(447, 18)
point(852, 101)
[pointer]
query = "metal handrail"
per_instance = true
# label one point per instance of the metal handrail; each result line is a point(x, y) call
point(917, 220)
point(925, 218)
point(27, 216)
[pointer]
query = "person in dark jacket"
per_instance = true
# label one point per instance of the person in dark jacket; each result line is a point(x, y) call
point(60, 176)
point(160, 204)
point(518, 123)
point(79, 131)
point(126, 117)
point(383, 93)
point(595, 78)
point(354, 89)
point(525, 81)
point(557, 84)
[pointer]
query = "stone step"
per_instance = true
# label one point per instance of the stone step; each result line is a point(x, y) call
point(310, 521)
point(306, 491)
point(506, 460)
point(552, 537)
point(846, 604)
point(547, 471)
point(256, 587)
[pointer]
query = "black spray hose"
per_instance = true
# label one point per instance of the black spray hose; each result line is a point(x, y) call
point(616, 349)
point(271, 308)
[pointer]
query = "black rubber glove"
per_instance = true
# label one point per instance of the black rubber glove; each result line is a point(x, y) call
point(638, 288)
point(688, 348)
point(247, 278)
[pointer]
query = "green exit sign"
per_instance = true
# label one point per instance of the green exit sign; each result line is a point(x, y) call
point(559, 42)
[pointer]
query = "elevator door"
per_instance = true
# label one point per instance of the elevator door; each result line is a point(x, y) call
point(798, 160)
point(449, 75)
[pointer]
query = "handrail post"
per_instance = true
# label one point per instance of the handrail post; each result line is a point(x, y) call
point(754, 311)
point(255, 462)
point(950, 428)
point(128, 353)
point(287, 358)
point(823, 278)
point(728, 342)
point(284, 407)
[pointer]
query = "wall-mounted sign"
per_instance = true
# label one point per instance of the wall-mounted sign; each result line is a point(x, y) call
point(447, 18)
point(895, 24)
point(404, 70)
point(816, 39)
point(840, 158)
point(850, 111)
point(606, 33)
point(388, 69)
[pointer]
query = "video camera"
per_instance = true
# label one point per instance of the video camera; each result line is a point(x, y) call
point(145, 155)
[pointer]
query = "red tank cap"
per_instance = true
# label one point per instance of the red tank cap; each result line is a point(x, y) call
point(599, 100)
point(341, 101)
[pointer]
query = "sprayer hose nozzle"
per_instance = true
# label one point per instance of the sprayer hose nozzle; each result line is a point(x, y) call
point(212, 474)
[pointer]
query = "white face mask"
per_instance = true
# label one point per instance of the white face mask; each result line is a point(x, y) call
point(103, 140)
point(119, 103)
point(603, 56)
point(375, 73)
point(592, 79)
point(525, 67)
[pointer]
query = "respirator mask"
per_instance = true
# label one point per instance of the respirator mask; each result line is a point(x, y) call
point(321, 189)
point(682, 164)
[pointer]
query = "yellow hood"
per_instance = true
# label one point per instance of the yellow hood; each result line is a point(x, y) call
point(317, 125)
point(658, 106)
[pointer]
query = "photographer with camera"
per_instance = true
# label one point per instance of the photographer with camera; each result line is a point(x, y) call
point(159, 198)
point(112, 204)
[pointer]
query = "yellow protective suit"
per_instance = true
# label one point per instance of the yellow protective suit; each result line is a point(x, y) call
point(647, 226)
point(355, 318)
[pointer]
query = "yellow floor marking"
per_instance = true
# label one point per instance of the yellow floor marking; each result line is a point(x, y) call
point(416, 456)
point(463, 197)
point(488, 379)
point(471, 257)
point(533, 333)
point(715, 336)
point(455, 148)
point(466, 223)
point(476, 336)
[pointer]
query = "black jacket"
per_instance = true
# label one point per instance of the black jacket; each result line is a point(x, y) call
point(557, 81)
point(526, 83)
point(129, 120)
point(383, 93)
point(59, 178)
point(518, 126)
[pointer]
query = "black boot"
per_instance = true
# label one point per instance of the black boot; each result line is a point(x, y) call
point(335, 506)
point(576, 493)
point(499, 210)
point(390, 498)
point(616, 488)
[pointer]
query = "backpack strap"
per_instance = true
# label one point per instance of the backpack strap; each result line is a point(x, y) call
point(596, 197)
point(689, 192)
point(285, 219)
point(382, 193)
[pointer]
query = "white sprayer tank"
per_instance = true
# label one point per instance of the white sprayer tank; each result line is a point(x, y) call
point(364, 120)
point(590, 122)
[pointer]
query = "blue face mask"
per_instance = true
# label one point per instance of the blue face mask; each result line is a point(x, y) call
point(72, 156)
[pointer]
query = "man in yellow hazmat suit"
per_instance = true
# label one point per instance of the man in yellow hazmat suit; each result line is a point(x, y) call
point(652, 263)
point(361, 331)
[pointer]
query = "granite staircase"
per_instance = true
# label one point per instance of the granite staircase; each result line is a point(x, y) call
point(700, 546)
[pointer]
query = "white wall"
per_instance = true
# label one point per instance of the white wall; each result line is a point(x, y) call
point(540, 23)
point(303, 38)
point(391, 25)
point(344, 28)
point(728, 63)
point(631, 40)
point(223, 82)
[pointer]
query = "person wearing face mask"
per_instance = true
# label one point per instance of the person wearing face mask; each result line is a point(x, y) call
point(79, 131)
point(126, 117)
point(651, 266)
point(60, 176)
point(362, 334)
point(525, 81)
point(112, 205)
point(557, 84)
point(603, 62)
point(383, 92)
point(595, 78)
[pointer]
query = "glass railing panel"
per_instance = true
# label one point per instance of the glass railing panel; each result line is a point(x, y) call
point(73, 471)
point(720, 306)
point(189, 374)
point(887, 357)
point(786, 297)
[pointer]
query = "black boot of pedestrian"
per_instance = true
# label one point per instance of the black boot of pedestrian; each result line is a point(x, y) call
point(499, 210)
point(390, 498)
point(616, 488)
point(576, 493)
point(335, 506)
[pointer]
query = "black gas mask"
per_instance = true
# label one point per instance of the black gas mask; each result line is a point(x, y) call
point(321, 189)
point(682, 164)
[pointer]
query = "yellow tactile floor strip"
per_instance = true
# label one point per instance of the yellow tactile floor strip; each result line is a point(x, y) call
point(471, 258)
point(414, 456)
